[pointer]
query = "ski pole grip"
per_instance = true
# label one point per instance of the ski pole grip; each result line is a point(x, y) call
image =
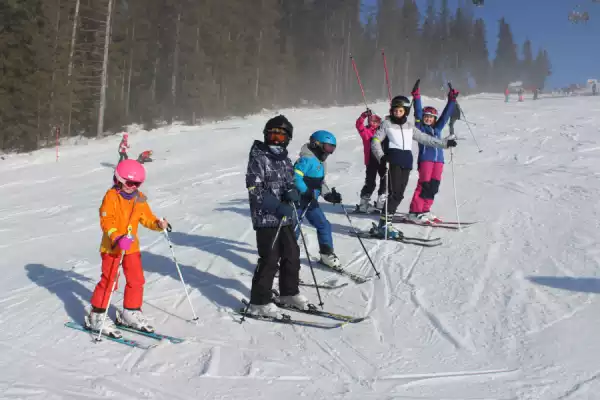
point(450, 86)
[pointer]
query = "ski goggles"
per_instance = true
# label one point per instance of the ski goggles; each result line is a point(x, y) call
point(132, 184)
point(328, 148)
point(277, 135)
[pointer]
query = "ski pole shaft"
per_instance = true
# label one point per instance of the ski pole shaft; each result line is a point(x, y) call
point(359, 83)
point(257, 265)
point(387, 77)
point(180, 274)
point(454, 185)
point(470, 130)
point(112, 290)
point(312, 271)
point(387, 196)
point(468, 126)
point(361, 242)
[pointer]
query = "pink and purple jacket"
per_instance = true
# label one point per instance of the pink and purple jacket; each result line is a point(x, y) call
point(123, 146)
point(366, 133)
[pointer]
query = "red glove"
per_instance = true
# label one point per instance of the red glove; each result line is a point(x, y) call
point(416, 94)
point(453, 94)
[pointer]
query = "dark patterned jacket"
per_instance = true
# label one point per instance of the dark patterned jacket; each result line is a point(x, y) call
point(268, 176)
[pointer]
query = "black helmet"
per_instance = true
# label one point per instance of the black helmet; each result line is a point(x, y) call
point(400, 102)
point(279, 122)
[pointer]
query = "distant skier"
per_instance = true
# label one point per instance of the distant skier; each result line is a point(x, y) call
point(145, 156)
point(506, 95)
point(594, 89)
point(270, 184)
point(536, 93)
point(123, 146)
point(431, 159)
point(521, 91)
point(310, 171)
point(374, 168)
point(398, 154)
point(122, 209)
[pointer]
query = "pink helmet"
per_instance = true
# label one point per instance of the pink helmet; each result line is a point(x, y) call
point(125, 135)
point(130, 170)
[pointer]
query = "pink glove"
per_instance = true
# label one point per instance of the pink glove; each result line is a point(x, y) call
point(453, 94)
point(416, 94)
point(124, 242)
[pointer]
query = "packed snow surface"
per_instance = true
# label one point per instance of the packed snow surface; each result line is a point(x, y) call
point(504, 309)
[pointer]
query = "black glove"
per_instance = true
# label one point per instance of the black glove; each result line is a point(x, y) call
point(333, 197)
point(383, 159)
point(451, 143)
point(291, 196)
point(369, 112)
point(169, 228)
point(284, 210)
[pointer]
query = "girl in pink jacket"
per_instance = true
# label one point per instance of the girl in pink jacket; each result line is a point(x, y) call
point(374, 168)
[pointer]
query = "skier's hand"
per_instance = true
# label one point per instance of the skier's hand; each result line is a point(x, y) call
point(416, 93)
point(383, 159)
point(453, 94)
point(451, 143)
point(124, 242)
point(163, 224)
point(333, 197)
point(368, 113)
point(291, 196)
point(284, 210)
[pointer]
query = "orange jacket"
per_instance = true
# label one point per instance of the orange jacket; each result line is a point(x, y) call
point(117, 213)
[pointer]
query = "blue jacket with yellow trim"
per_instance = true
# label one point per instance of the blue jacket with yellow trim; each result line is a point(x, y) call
point(428, 153)
point(309, 174)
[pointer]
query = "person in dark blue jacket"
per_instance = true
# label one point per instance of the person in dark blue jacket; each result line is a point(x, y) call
point(431, 159)
point(309, 176)
point(270, 184)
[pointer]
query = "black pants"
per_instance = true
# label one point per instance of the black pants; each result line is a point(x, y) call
point(398, 181)
point(283, 257)
point(373, 169)
point(123, 156)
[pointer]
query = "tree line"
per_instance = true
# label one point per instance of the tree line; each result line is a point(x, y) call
point(88, 67)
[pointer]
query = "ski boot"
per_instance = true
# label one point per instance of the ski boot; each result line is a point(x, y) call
point(364, 205)
point(384, 226)
point(269, 310)
point(298, 301)
point(380, 204)
point(134, 319)
point(93, 322)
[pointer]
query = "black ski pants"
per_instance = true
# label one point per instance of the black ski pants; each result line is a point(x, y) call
point(374, 168)
point(398, 181)
point(283, 257)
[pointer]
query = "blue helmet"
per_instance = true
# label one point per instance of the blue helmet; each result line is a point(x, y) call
point(323, 137)
point(323, 143)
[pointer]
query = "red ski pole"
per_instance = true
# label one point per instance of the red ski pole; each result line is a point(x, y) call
point(359, 83)
point(387, 77)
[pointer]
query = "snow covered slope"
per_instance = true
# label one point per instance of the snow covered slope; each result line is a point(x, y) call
point(506, 309)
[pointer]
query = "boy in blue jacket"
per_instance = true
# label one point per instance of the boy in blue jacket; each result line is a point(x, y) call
point(309, 176)
point(431, 159)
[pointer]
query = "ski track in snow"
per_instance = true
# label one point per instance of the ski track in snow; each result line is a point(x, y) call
point(505, 309)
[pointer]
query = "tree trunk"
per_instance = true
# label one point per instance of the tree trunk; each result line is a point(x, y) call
point(104, 71)
point(70, 68)
point(175, 68)
point(128, 96)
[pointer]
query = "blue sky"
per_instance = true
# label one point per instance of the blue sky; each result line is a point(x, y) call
point(574, 48)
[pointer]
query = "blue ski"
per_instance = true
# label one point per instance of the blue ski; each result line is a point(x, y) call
point(152, 335)
point(127, 342)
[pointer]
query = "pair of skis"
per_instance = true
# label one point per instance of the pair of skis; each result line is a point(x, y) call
point(312, 310)
point(126, 341)
point(403, 219)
